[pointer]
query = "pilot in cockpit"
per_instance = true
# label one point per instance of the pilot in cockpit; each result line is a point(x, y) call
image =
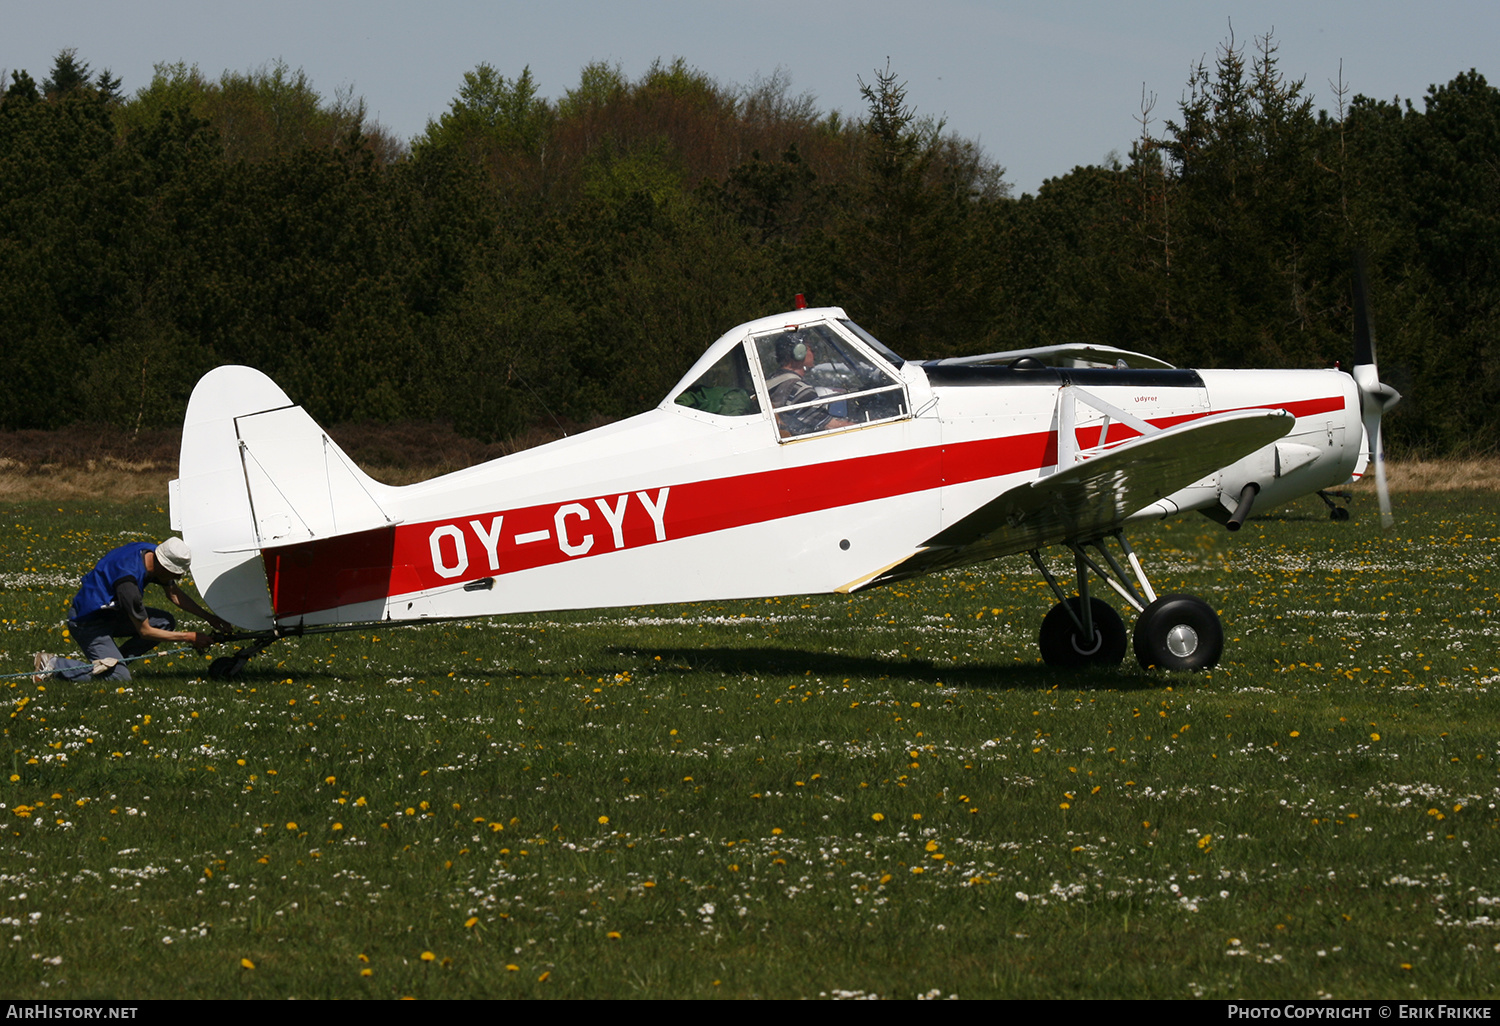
point(788, 387)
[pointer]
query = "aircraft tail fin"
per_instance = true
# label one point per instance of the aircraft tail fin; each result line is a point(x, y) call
point(257, 472)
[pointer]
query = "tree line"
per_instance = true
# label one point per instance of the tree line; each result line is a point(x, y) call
point(526, 258)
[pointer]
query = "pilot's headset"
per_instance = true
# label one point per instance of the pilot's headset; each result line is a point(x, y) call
point(791, 348)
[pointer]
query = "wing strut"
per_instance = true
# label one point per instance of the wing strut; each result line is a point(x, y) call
point(1068, 452)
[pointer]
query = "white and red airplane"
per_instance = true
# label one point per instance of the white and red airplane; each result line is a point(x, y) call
point(799, 455)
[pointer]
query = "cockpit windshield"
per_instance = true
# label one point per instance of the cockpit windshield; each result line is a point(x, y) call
point(817, 380)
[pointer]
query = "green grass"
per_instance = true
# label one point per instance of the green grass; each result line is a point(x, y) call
point(884, 794)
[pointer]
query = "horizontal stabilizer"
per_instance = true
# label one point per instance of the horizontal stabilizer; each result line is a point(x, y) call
point(1092, 498)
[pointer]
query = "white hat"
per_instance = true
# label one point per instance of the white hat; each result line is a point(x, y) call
point(174, 556)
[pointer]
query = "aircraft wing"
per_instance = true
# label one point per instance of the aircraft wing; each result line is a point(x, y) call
point(1057, 355)
point(1094, 497)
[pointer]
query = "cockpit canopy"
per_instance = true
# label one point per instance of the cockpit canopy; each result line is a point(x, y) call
point(821, 373)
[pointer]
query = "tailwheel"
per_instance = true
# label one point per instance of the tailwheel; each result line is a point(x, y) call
point(1178, 632)
point(225, 667)
point(1062, 638)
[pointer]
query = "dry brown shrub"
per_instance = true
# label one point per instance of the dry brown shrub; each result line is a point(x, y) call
point(96, 462)
point(29, 452)
point(1480, 474)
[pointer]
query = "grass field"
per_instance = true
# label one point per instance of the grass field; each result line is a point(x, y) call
point(800, 797)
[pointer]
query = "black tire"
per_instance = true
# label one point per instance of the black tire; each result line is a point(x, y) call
point(1180, 633)
point(226, 667)
point(1338, 513)
point(1062, 643)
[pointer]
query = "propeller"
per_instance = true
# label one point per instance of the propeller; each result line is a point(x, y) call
point(1375, 397)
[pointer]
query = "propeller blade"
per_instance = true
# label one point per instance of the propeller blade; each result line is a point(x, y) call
point(1375, 396)
point(1377, 457)
point(1364, 338)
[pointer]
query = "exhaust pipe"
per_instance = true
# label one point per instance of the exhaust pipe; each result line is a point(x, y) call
point(1242, 511)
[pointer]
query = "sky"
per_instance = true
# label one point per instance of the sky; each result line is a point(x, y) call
point(1043, 87)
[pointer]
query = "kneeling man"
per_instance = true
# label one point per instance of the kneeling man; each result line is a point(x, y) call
point(111, 604)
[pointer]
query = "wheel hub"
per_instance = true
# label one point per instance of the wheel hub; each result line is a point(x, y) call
point(1182, 641)
point(1095, 643)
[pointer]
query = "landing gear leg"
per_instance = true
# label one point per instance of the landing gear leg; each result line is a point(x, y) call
point(1174, 632)
point(1336, 512)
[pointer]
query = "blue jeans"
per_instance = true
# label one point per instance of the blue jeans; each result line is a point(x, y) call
point(96, 634)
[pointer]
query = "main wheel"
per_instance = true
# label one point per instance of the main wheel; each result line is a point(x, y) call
point(1338, 513)
point(1178, 632)
point(1064, 646)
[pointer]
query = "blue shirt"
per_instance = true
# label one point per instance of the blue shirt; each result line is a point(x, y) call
point(127, 563)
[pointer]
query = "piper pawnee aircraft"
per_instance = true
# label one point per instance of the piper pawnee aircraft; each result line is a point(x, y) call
point(799, 455)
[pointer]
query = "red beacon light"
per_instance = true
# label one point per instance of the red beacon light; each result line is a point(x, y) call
point(800, 301)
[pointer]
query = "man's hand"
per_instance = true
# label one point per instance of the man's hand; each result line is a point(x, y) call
point(200, 641)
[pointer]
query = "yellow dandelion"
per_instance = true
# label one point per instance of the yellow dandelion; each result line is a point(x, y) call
point(246, 963)
point(879, 817)
point(543, 978)
point(471, 922)
point(291, 826)
point(613, 935)
point(428, 956)
point(367, 971)
point(604, 821)
point(512, 968)
point(932, 846)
